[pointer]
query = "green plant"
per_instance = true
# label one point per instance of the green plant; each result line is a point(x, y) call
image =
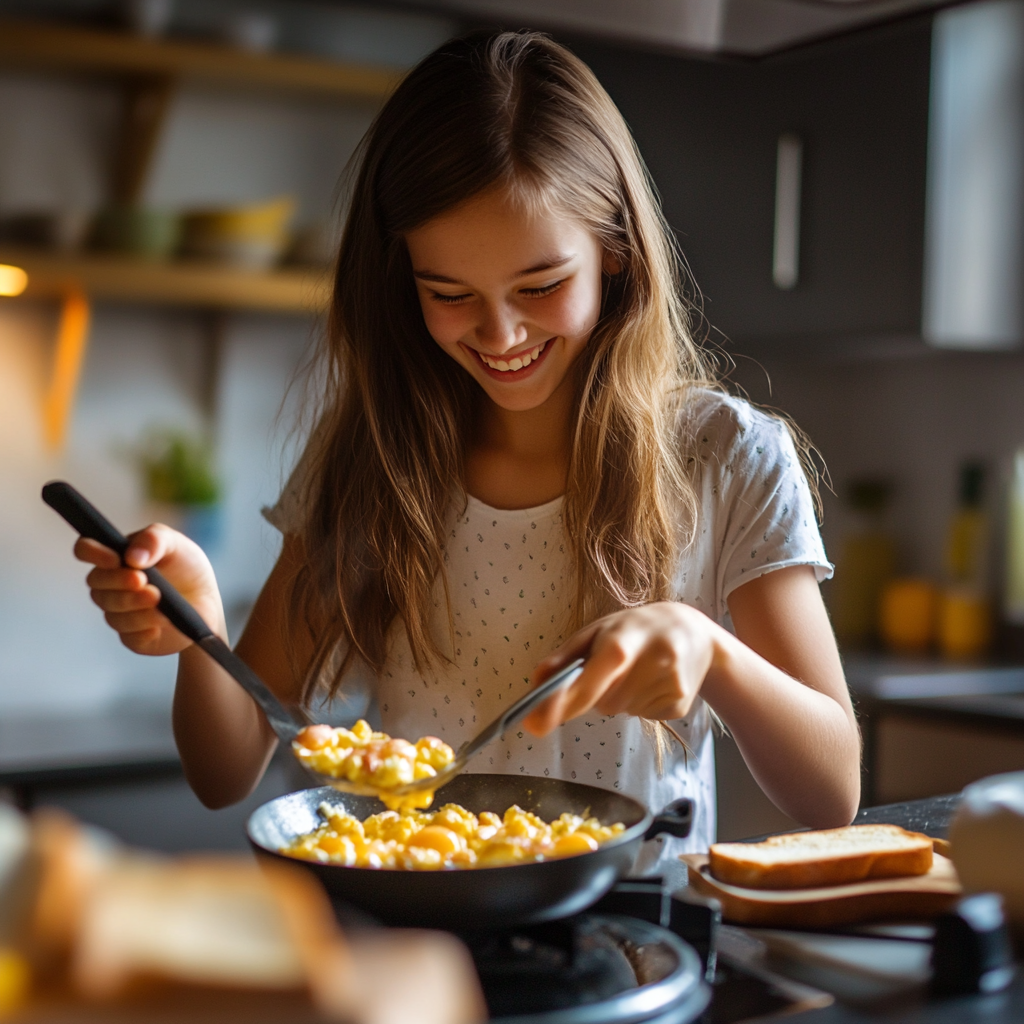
point(178, 468)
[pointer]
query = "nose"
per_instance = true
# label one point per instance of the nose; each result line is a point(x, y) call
point(500, 329)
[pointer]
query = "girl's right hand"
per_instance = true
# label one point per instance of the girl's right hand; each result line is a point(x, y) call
point(129, 600)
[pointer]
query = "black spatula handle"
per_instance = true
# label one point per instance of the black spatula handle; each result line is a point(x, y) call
point(92, 524)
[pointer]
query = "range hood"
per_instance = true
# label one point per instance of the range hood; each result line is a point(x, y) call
point(974, 237)
point(740, 27)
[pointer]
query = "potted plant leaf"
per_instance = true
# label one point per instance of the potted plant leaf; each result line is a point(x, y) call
point(181, 484)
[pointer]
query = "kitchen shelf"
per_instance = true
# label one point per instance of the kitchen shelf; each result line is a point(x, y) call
point(196, 284)
point(56, 47)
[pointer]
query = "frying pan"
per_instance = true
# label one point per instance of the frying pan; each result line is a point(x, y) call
point(478, 898)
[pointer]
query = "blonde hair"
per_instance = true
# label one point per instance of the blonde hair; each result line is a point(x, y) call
point(519, 113)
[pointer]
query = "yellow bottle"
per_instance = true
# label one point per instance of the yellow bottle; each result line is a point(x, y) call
point(867, 560)
point(965, 611)
point(907, 614)
point(1014, 594)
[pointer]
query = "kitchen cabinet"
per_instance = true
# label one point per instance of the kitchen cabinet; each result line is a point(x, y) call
point(932, 728)
point(924, 747)
point(709, 132)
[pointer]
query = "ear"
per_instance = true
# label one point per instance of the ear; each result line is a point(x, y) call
point(610, 263)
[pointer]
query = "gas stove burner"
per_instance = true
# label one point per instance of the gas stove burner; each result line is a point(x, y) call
point(590, 969)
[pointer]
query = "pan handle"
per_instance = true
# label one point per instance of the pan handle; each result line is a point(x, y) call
point(676, 819)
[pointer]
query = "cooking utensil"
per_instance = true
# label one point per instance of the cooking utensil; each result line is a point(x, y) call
point(516, 713)
point(90, 523)
point(286, 723)
point(477, 898)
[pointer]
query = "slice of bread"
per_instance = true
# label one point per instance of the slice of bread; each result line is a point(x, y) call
point(806, 860)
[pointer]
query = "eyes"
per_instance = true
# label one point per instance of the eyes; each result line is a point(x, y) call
point(530, 293)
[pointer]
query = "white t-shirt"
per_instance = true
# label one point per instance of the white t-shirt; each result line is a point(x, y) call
point(510, 587)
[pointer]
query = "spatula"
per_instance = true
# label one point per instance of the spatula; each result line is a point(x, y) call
point(287, 723)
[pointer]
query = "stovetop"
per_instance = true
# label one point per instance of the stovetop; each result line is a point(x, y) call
point(605, 969)
point(641, 954)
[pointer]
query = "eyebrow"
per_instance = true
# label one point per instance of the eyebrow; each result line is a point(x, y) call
point(549, 264)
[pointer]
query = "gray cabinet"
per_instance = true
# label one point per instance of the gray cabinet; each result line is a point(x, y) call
point(708, 131)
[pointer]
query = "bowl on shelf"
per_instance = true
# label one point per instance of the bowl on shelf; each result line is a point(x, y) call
point(148, 233)
point(60, 230)
point(254, 237)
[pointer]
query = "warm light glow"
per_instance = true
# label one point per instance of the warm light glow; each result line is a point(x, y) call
point(72, 338)
point(13, 280)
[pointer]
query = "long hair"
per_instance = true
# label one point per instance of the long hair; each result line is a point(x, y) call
point(516, 112)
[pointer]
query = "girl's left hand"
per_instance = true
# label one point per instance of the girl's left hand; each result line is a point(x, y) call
point(649, 661)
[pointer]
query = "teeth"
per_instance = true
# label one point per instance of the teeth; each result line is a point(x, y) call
point(517, 362)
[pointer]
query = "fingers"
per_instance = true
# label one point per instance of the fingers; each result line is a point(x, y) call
point(609, 656)
point(130, 602)
point(577, 646)
point(145, 641)
point(117, 579)
point(95, 553)
point(649, 661)
point(147, 547)
point(125, 599)
point(134, 621)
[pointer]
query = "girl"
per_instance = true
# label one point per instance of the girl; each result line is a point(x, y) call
point(521, 458)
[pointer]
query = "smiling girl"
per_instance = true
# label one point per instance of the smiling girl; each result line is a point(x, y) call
point(522, 457)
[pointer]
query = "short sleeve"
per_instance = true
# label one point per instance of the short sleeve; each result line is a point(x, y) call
point(288, 513)
point(766, 518)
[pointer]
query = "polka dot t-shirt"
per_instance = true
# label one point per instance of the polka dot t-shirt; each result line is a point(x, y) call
point(510, 586)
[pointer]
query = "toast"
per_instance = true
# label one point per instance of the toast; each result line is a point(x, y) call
point(805, 860)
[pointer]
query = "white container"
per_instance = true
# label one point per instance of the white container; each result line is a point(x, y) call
point(974, 216)
point(987, 840)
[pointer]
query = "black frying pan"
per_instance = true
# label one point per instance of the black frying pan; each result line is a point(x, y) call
point(478, 898)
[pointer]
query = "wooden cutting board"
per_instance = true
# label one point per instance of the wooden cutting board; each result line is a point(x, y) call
point(884, 899)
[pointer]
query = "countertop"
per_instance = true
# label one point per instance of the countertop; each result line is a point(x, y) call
point(983, 695)
point(933, 817)
point(123, 739)
point(129, 739)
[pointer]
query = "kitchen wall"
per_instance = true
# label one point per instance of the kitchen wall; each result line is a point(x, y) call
point(147, 367)
point(914, 419)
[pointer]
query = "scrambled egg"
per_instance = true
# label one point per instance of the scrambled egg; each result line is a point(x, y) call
point(374, 760)
point(449, 838)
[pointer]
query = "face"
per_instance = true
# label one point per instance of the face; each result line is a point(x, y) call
point(512, 298)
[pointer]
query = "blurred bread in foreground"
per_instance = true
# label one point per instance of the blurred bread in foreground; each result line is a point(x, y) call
point(108, 925)
point(804, 860)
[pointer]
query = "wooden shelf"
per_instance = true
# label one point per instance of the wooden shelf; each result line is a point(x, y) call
point(57, 47)
point(210, 285)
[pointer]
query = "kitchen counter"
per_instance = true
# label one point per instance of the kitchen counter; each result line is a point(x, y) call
point(117, 768)
point(127, 740)
point(987, 695)
point(933, 817)
point(931, 726)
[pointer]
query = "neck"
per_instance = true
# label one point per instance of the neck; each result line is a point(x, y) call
point(520, 459)
point(542, 433)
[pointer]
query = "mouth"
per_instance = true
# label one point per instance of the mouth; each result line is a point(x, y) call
point(516, 368)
